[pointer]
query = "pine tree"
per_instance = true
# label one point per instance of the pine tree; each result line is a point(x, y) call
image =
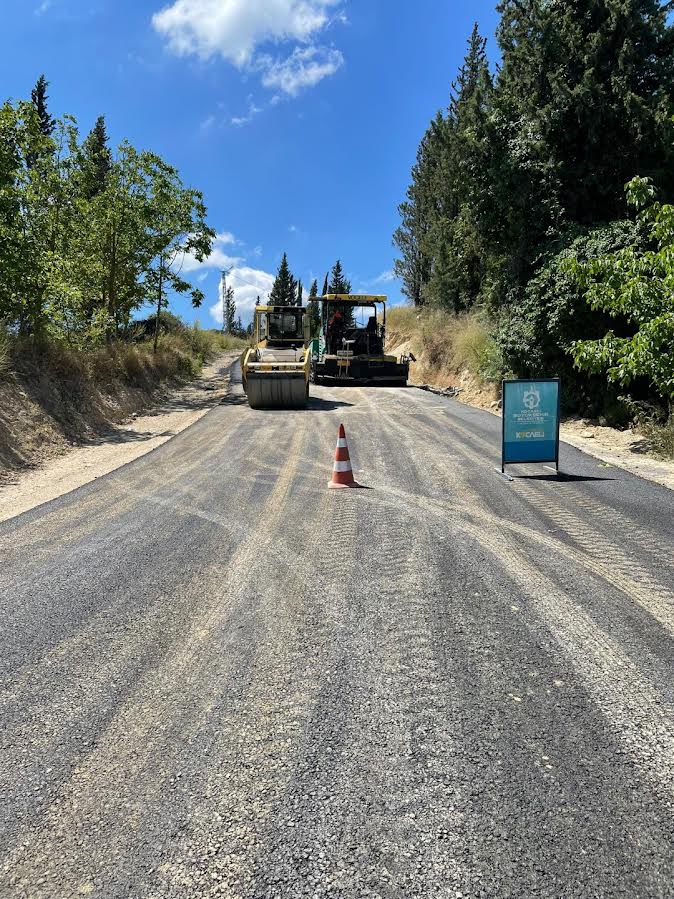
point(419, 215)
point(39, 98)
point(96, 160)
point(284, 291)
point(314, 309)
point(338, 282)
point(230, 311)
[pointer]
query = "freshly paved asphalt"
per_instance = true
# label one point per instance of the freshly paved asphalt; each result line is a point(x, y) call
point(218, 678)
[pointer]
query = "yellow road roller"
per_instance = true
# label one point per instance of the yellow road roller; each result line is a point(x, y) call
point(276, 369)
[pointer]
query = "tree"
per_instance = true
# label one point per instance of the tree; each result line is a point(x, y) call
point(635, 284)
point(325, 286)
point(300, 294)
point(177, 226)
point(230, 311)
point(39, 99)
point(284, 291)
point(420, 214)
point(338, 282)
point(314, 309)
point(96, 160)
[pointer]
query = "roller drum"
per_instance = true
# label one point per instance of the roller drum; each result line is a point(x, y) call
point(277, 391)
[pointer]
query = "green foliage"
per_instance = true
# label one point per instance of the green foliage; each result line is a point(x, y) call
point(314, 309)
point(39, 99)
point(634, 284)
point(87, 238)
point(229, 311)
point(284, 291)
point(339, 283)
point(523, 163)
point(543, 320)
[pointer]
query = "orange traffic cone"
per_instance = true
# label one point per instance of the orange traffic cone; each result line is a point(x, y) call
point(342, 473)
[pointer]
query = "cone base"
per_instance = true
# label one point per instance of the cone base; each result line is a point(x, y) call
point(333, 486)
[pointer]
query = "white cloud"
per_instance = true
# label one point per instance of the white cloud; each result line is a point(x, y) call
point(218, 259)
point(235, 28)
point(253, 110)
point(43, 7)
point(385, 277)
point(248, 284)
point(305, 67)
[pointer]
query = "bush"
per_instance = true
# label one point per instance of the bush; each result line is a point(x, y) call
point(537, 330)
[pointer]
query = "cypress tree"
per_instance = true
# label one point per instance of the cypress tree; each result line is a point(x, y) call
point(338, 282)
point(284, 291)
point(325, 286)
point(300, 293)
point(314, 308)
point(96, 160)
point(39, 97)
point(418, 216)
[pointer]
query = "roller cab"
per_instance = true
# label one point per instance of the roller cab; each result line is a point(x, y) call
point(276, 369)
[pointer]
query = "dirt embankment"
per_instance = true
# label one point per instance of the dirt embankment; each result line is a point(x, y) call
point(53, 398)
point(109, 433)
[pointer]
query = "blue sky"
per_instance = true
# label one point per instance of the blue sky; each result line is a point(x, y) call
point(298, 119)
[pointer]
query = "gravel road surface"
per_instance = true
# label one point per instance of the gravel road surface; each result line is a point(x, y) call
point(218, 678)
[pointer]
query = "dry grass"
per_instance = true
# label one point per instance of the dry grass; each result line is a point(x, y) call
point(4, 351)
point(446, 344)
point(660, 435)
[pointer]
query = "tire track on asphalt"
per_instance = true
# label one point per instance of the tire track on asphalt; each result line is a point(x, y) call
point(127, 748)
point(380, 822)
point(257, 811)
point(636, 710)
point(599, 554)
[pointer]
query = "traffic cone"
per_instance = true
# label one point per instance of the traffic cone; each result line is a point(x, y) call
point(342, 473)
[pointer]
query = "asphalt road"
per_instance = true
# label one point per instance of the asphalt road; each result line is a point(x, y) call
point(218, 678)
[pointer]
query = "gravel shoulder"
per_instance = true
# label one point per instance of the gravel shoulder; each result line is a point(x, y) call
point(102, 454)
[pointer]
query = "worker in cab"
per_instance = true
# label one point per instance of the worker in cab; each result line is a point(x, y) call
point(335, 332)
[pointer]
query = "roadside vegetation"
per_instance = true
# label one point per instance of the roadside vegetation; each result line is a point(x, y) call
point(517, 220)
point(90, 238)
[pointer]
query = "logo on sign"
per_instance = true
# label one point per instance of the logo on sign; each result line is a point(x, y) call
point(531, 398)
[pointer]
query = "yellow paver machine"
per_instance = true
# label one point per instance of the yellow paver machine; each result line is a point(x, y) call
point(350, 343)
point(276, 369)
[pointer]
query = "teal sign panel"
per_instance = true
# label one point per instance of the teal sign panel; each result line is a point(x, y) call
point(531, 421)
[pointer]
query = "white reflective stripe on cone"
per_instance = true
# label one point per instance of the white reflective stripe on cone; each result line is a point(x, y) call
point(341, 443)
point(342, 466)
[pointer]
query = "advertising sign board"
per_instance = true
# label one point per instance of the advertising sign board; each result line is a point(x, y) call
point(530, 421)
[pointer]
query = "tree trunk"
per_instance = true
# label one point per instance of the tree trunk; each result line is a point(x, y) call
point(159, 299)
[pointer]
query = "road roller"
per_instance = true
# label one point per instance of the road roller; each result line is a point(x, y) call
point(276, 369)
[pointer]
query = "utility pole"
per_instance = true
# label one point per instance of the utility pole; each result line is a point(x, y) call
point(223, 287)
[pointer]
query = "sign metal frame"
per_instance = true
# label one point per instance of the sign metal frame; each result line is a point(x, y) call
point(532, 381)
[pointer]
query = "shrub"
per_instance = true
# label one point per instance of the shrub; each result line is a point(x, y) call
point(536, 332)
